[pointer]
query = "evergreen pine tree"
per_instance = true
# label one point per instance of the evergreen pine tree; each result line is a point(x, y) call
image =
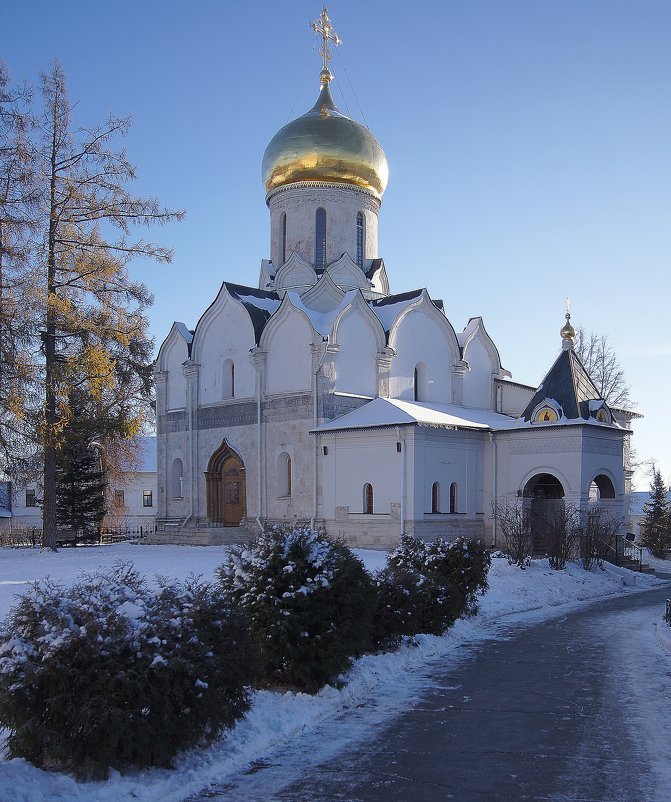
point(80, 482)
point(656, 524)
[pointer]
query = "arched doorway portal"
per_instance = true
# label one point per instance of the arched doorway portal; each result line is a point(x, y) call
point(225, 487)
point(544, 495)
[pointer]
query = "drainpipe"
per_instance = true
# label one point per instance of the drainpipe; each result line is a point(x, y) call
point(320, 361)
point(258, 361)
point(403, 479)
point(492, 440)
point(258, 453)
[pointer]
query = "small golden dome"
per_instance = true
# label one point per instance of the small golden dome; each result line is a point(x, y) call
point(325, 145)
point(567, 331)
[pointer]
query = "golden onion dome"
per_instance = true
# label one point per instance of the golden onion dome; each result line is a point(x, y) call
point(325, 145)
point(567, 331)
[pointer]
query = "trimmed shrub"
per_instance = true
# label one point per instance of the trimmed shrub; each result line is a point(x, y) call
point(425, 587)
point(464, 564)
point(309, 601)
point(108, 673)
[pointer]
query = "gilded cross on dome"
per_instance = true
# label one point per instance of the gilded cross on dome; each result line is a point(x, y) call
point(323, 27)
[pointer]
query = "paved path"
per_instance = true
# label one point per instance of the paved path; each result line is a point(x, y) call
point(562, 710)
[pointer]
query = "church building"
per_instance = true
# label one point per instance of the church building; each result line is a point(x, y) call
point(322, 397)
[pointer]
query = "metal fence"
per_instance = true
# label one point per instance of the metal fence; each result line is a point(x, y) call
point(32, 537)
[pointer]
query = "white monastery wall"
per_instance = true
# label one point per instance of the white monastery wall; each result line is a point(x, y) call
point(292, 438)
point(447, 457)
point(520, 456)
point(354, 460)
point(602, 455)
point(174, 496)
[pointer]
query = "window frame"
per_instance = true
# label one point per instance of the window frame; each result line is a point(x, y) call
point(368, 499)
point(453, 498)
point(320, 238)
point(435, 498)
point(360, 238)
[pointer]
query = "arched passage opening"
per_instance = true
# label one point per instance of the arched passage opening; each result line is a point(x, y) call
point(225, 487)
point(601, 489)
point(543, 494)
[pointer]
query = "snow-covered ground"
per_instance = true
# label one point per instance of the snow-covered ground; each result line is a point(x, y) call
point(275, 718)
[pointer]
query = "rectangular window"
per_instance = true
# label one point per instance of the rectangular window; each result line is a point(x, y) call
point(147, 498)
point(31, 500)
point(118, 498)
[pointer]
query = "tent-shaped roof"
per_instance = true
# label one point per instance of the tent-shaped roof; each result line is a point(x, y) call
point(569, 386)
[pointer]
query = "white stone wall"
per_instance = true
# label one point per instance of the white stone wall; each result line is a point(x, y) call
point(224, 336)
point(288, 341)
point(175, 354)
point(356, 367)
point(341, 203)
point(478, 385)
point(573, 454)
point(512, 398)
point(420, 338)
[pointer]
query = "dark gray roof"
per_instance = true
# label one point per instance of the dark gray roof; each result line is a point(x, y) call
point(260, 305)
point(568, 383)
point(375, 265)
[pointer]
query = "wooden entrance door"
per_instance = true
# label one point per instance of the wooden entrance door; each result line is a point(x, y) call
point(233, 495)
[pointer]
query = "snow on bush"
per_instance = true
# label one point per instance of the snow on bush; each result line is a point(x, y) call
point(309, 600)
point(425, 587)
point(108, 673)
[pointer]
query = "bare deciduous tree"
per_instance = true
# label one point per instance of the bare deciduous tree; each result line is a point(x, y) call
point(513, 521)
point(560, 522)
point(597, 530)
point(603, 366)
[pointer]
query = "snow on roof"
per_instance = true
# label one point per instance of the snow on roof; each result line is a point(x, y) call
point(395, 412)
point(259, 304)
point(387, 309)
point(186, 333)
point(322, 322)
point(471, 327)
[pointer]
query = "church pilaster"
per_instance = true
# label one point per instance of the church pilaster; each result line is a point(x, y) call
point(459, 370)
point(161, 384)
point(383, 364)
point(324, 368)
point(191, 374)
point(258, 358)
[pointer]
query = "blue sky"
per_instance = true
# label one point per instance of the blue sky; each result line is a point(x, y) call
point(529, 145)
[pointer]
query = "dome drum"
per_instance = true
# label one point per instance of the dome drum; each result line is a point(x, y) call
point(293, 222)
